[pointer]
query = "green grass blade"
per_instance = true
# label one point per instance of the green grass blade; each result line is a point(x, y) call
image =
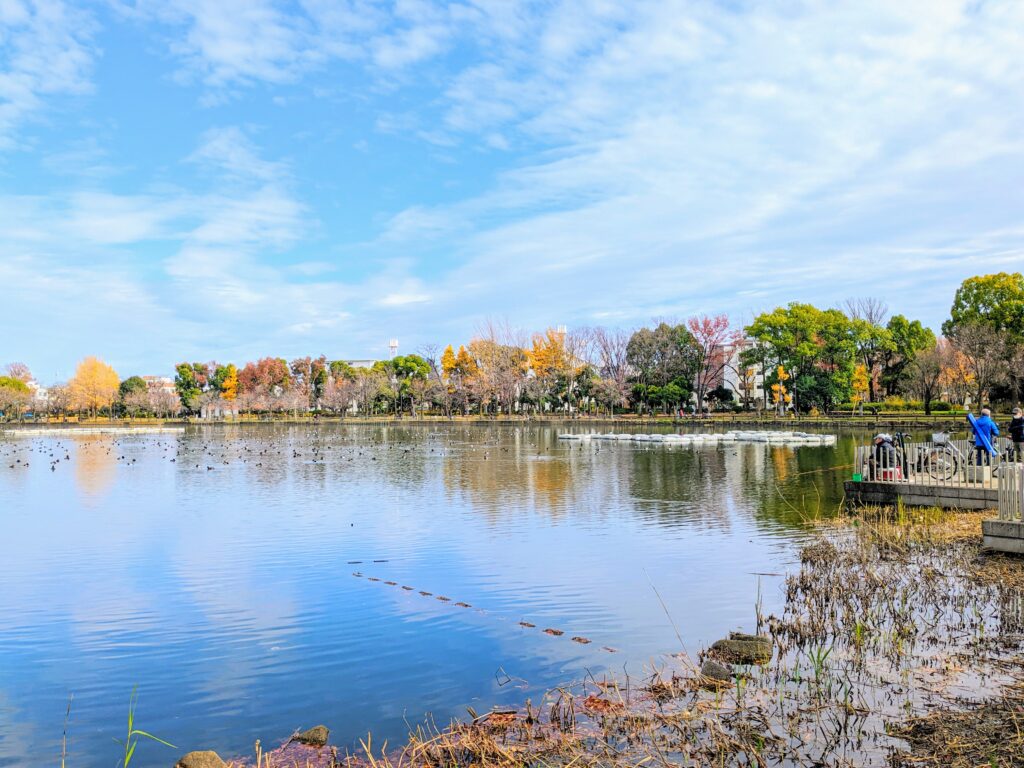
point(137, 732)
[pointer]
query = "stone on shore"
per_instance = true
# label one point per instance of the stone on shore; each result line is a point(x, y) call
point(750, 638)
point(743, 649)
point(715, 674)
point(201, 759)
point(315, 736)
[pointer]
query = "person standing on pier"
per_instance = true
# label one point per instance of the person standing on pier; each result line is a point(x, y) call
point(1017, 434)
point(985, 431)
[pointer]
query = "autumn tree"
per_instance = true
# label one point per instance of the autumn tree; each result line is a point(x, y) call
point(229, 383)
point(710, 337)
point(985, 352)
point(15, 396)
point(926, 371)
point(163, 403)
point(995, 302)
point(781, 397)
point(339, 394)
point(460, 372)
point(58, 399)
point(368, 385)
point(861, 385)
point(870, 336)
point(551, 364)
point(308, 377)
point(438, 390)
point(19, 371)
point(609, 393)
point(264, 382)
point(135, 402)
point(94, 386)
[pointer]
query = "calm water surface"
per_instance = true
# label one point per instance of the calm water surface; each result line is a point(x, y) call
point(215, 570)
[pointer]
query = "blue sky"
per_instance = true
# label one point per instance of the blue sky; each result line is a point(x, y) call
point(227, 179)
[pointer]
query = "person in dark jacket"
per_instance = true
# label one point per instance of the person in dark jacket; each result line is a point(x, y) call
point(883, 457)
point(984, 429)
point(1017, 434)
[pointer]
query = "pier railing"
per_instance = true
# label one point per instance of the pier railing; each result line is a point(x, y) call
point(1011, 492)
point(939, 462)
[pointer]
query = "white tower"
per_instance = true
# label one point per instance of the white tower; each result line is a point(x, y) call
point(393, 346)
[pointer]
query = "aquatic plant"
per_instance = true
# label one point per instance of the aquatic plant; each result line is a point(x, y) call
point(131, 740)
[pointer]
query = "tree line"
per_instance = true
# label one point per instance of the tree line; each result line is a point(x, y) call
point(796, 358)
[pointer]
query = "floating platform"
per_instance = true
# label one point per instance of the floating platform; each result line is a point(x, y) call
point(70, 430)
point(733, 436)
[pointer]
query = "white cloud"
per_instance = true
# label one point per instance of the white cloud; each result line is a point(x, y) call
point(45, 51)
point(236, 41)
point(697, 151)
point(228, 150)
point(662, 157)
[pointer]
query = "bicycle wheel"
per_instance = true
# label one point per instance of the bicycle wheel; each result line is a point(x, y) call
point(940, 465)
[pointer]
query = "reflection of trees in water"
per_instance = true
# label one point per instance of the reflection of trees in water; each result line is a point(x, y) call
point(777, 485)
point(806, 482)
point(95, 465)
point(517, 469)
point(503, 469)
point(673, 484)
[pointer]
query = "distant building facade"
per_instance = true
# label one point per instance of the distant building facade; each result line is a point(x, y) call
point(746, 381)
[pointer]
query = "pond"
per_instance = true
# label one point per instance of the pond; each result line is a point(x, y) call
point(239, 575)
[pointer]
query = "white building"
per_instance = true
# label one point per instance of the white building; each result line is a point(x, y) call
point(40, 394)
point(160, 384)
point(747, 381)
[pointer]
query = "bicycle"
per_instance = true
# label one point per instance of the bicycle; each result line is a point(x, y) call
point(941, 461)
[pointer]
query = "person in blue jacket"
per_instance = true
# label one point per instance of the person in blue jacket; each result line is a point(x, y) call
point(984, 427)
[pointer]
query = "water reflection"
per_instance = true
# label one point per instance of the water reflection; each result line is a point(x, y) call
point(95, 466)
point(215, 570)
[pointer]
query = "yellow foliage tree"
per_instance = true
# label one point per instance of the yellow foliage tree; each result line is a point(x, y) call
point(780, 395)
point(957, 378)
point(94, 386)
point(860, 384)
point(548, 354)
point(465, 365)
point(447, 362)
point(229, 389)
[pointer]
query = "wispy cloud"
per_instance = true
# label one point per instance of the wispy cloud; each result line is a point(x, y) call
point(45, 51)
point(694, 151)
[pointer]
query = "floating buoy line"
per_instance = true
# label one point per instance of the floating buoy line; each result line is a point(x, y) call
point(549, 631)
